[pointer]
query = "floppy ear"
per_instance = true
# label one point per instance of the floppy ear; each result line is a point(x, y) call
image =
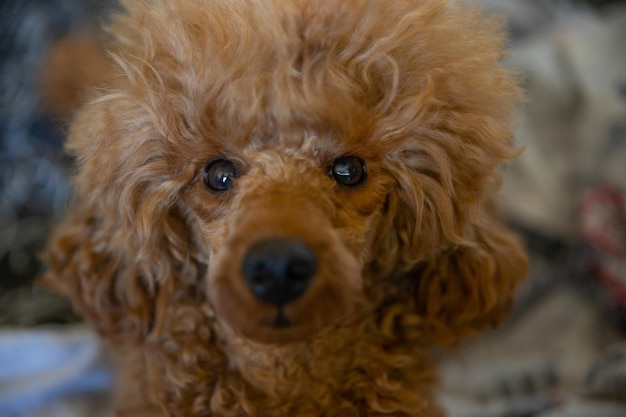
point(125, 246)
point(465, 263)
point(101, 280)
point(116, 280)
point(471, 286)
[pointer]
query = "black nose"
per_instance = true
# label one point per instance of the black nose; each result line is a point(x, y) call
point(278, 271)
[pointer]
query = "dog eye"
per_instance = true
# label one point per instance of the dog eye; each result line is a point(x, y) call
point(219, 174)
point(348, 171)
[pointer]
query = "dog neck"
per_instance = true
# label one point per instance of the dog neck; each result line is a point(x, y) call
point(352, 356)
point(199, 363)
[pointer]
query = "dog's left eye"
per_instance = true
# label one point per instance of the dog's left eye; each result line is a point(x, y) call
point(348, 170)
point(219, 174)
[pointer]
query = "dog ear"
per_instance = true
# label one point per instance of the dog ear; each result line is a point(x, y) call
point(120, 291)
point(465, 263)
point(126, 245)
point(100, 279)
point(471, 286)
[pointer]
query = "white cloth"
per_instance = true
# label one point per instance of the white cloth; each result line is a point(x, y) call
point(41, 368)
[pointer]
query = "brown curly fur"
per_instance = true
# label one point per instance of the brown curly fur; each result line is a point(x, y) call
point(415, 257)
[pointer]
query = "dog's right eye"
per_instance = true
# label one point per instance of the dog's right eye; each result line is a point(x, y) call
point(348, 171)
point(219, 174)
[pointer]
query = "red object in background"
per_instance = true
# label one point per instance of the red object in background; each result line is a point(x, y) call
point(602, 224)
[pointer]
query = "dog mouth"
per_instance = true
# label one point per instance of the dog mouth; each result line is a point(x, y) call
point(281, 321)
point(277, 321)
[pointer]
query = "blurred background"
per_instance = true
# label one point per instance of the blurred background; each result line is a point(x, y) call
point(563, 351)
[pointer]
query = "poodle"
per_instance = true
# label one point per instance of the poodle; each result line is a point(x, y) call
point(284, 207)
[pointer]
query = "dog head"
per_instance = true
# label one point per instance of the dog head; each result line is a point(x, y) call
point(306, 151)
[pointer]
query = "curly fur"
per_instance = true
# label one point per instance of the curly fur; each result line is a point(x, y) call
point(415, 257)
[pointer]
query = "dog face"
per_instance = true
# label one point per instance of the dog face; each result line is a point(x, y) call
point(306, 152)
point(289, 229)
